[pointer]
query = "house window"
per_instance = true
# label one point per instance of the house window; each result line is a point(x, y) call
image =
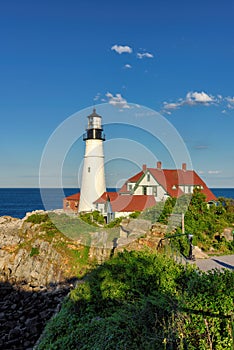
point(148, 177)
point(144, 190)
point(89, 169)
point(155, 191)
point(130, 187)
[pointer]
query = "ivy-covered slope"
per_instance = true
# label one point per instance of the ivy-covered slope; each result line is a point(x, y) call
point(140, 300)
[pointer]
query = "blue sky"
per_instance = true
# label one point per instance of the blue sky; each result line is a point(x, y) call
point(60, 57)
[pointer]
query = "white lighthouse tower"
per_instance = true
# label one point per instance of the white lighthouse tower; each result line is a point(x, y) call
point(93, 183)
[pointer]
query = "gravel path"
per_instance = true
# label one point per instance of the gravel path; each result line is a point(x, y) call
point(216, 262)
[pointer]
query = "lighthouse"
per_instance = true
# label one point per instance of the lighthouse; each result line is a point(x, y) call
point(93, 183)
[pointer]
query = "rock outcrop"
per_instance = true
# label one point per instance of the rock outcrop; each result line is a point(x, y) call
point(102, 246)
point(32, 285)
point(36, 267)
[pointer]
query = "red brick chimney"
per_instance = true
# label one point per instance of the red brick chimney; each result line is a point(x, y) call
point(144, 168)
point(184, 166)
point(159, 165)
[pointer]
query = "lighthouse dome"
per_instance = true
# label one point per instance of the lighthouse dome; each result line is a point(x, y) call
point(94, 129)
point(94, 120)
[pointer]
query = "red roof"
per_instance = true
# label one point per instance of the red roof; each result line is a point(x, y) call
point(132, 179)
point(136, 177)
point(74, 197)
point(124, 189)
point(107, 196)
point(170, 180)
point(127, 203)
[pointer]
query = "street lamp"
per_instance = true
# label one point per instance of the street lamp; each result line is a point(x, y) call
point(190, 239)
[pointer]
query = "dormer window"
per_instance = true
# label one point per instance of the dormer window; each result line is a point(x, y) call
point(174, 187)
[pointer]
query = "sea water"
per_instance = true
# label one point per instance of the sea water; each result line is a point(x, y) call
point(16, 202)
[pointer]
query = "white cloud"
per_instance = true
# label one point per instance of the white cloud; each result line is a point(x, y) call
point(97, 97)
point(198, 97)
point(121, 49)
point(128, 66)
point(144, 54)
point(230, 99)
point(191, 99)
point(230, 102)
point(171, 105)
point(117, 100)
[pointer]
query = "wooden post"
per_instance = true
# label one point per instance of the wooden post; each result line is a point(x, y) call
point(182, 222)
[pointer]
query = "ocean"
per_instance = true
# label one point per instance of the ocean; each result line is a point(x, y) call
point(16, 202)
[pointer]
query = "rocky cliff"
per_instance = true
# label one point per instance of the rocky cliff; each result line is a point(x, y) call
point(38, 267)
point(35, 276)
point(24, 259)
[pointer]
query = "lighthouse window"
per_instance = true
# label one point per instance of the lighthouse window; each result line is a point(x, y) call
point(89, 169)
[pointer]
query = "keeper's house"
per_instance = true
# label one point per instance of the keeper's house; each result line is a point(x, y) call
point(144, 190)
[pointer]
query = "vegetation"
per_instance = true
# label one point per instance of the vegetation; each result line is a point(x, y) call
point(34, 251)
point(94, 218)
point(115, 223)
point(71, 238)
point(205, 222)
point(37, 218)
point(63, 231)
point(140, 300)
point(135, 214)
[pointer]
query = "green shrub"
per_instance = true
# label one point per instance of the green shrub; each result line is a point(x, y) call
point(94, 218)
point(200, 219)
point(135, 214)
point(115, 223)
point(37, 218)
point(34, 251)
point(139, 300)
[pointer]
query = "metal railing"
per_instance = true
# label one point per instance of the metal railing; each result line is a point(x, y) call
point(172, 251)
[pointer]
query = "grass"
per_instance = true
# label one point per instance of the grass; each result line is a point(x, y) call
point(71, 238)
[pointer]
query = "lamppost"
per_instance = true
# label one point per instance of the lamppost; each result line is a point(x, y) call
point(190, 240)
